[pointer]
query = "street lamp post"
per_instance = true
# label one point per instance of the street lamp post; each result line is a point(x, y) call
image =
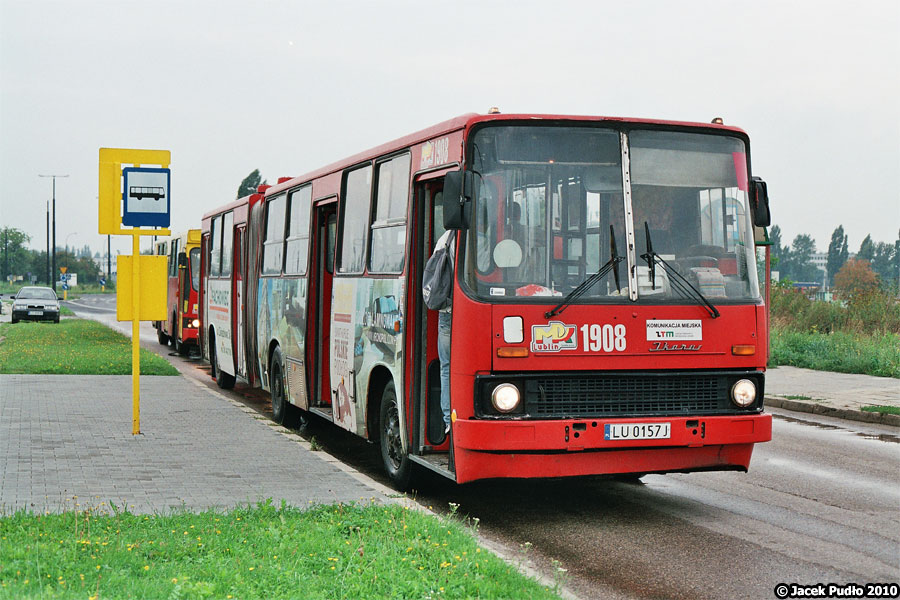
point(49, 272)
point(53, 267)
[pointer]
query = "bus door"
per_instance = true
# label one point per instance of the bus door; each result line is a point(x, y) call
point(173, 320)
point(319, 325)
point(184, 292)
point(427, 416)
point(237, 310)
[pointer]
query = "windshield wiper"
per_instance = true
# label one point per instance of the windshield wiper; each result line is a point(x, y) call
point(610, 265)
point(678, 282)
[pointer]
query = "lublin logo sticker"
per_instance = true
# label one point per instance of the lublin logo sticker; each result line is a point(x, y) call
point(553, 337)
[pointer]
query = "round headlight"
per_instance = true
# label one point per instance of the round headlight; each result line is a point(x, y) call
point(195, 323)
point(505, 397)
point(743, 393)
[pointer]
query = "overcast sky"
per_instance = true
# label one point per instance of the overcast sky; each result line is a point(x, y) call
point(289, 86)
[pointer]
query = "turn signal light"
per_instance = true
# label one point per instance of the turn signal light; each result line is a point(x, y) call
point(743, 350)
point(512, 352)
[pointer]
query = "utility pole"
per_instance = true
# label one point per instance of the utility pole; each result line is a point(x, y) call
point(6, 251)
point(49, 272)
point(53, 267)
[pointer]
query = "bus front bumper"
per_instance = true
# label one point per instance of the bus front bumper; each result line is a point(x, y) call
point(571, 447)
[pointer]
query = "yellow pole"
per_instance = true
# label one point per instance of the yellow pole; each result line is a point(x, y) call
point(136, 333)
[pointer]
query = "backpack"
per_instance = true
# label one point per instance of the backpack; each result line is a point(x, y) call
point(437, 282)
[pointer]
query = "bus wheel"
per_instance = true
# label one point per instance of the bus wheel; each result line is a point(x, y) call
point(212, 355)
point(396, 461)
point(162, 337)
point(180, 347)
point(283, 412)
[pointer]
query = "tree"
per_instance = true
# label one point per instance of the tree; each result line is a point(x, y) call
point(837, 253)
point(895, 267)
point(15, 255)
point(800, 265)
point(866, 249)
point(777, 251)
point(855, 278)
point(882, 264)
point(250, 183)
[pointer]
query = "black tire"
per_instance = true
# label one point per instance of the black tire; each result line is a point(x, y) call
point(56, 320)
point(283, 412)
point(396, 460)
point(212, 354)
point(162, 337)
point(223, 380)
point(180, 347)
point(14, 320)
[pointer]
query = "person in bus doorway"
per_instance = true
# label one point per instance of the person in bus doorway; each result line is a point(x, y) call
point(444, 320)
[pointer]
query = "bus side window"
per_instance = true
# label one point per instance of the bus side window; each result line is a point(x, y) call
point(389, 220)
point(354, 220)
point(215, 248)
point(331, 232)
point(273, 245)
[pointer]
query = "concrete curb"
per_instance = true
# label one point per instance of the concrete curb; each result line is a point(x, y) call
point(829, 411)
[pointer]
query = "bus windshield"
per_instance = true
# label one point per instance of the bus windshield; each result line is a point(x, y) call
point(550, 209)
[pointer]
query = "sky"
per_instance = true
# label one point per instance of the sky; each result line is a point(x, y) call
point(287, 86)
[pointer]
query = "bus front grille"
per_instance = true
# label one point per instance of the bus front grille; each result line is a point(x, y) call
point(627, 395)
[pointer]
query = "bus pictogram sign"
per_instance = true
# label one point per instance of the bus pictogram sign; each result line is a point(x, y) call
point(146, 197)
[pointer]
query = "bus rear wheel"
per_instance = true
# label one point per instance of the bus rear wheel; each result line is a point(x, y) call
point(161, 336)
point(396, 460)
point(283, 412)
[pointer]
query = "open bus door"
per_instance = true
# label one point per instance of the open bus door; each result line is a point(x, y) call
point(237, 310)
point(324, 229)
point(428, 444)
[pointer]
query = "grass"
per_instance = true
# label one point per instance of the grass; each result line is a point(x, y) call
point(889, 410)
point(839, 351)
point(858, 335)
point(337, 551)
point(72, 347)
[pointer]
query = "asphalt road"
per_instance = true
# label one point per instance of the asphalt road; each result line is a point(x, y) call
point(821, 504)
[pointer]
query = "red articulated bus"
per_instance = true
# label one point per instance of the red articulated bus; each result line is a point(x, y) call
point(182, 326)
point(606, 316)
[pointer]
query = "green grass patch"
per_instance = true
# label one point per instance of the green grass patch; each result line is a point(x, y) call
point(839, 351)
point(72, 347)
point(796, 397)
point(886, 410)
point(338, 551)
point(66, 312)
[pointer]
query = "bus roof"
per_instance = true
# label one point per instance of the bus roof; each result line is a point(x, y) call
point(467, 121)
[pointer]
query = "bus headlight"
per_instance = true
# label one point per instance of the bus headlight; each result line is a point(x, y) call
point(195, 323)
point(505, 397)
point(743, 393)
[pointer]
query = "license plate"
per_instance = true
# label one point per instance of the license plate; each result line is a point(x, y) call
point(636, 431)
point(36, 313)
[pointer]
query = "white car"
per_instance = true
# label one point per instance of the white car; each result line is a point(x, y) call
point(35, 304)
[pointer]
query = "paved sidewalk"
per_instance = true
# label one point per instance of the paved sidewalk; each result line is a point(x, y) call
point(66, 442)
point(839, 395)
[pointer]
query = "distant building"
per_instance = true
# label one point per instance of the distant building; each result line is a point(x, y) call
point(100, 261)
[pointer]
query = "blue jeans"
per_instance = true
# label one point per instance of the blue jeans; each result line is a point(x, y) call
point(444, 320)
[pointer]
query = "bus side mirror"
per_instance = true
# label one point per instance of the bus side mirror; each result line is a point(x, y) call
point(759, 204)
point(182, 260)
point(456, 195)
